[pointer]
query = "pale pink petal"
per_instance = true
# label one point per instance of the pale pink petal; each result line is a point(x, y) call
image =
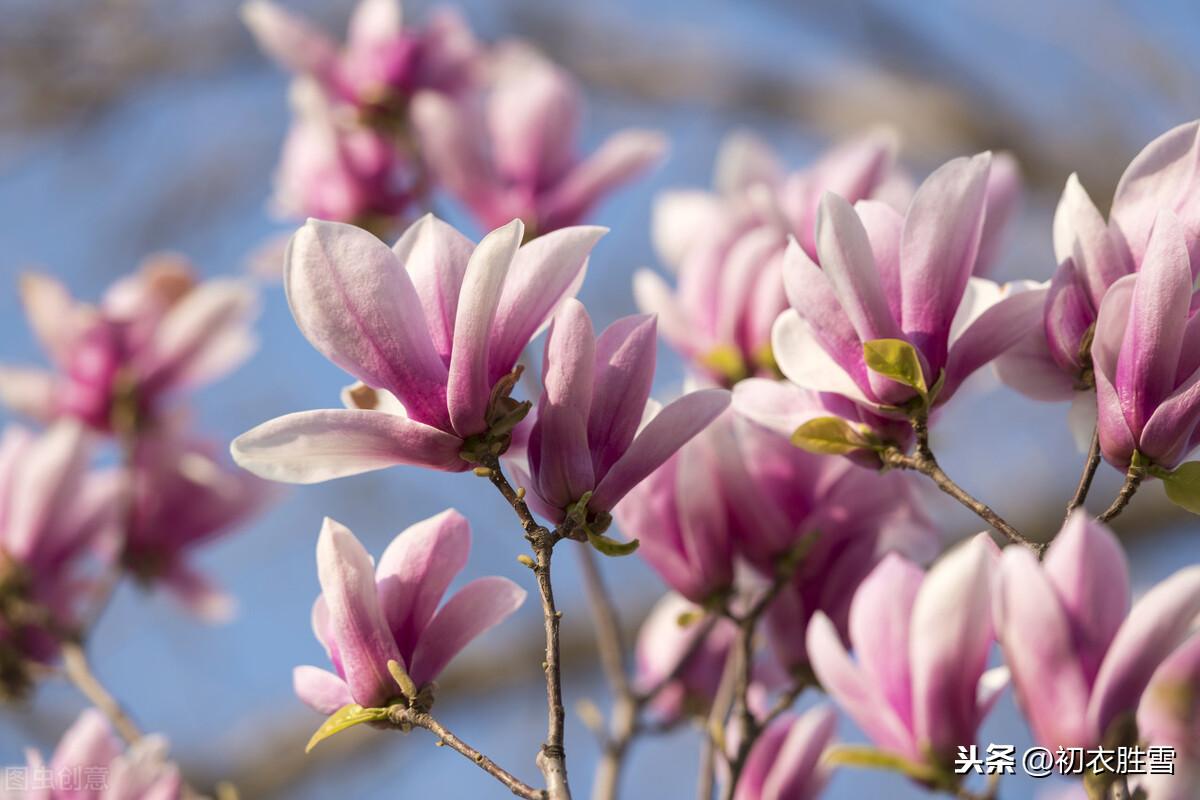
point(89, 742)
point(29, 391)
point(743, 161)
point(805, 362)
point(289, 39)
point(625, 356)
point(995, 331)
point(51, 312)
point(620, 159)
point(559, 454)
point(678, 219)
point(1082, 235)
point(315, 446)
point(477, 607)
point(42, 488)
point(1003, 197)
point(655, 296)
point(320, 689)
point(880, 617)
point(435, 256)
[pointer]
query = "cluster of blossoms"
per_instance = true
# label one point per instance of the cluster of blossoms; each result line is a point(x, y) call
point(70, 530)
point(826, 316)
point(402, 110)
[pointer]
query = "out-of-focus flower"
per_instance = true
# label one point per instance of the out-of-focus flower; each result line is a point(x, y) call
point(1147, 356)
point(892, 277)
point(366, 617)
point(514, 153)
point(726, 246)
point(664, 641)
point(681, 516)
point(383, 62)
point(919, 688)
point(156, 332)
point(52, 514)
point(596, 433)
point(182, 498)
point(785, 762)
point(1056, 361)
point(89, 747)
point(431, 327)
point(338, 170)
point(1169, 716)
point(1080, 659)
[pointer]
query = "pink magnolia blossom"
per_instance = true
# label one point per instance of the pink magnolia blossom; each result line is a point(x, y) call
point(53, 513)
point(513, 152)
point(785, 763)
point(883, 275)
point(918, 687)
point(383, 61)
point(1094, 254)
point(661, 644)
point(90, 747)
point(428, 327)
point(1169, 716)
point(726, 246)
point(368, 615)
point(184, 497)
point(1080, 658)
point(155, 333)
point(596, 430)
point(337, 169)
point(1147, 355)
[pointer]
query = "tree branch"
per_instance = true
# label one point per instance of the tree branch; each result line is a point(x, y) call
point(404, 717)
point(80, 673)
point(551, 759)
point(1089, 472)
point(1133, 479)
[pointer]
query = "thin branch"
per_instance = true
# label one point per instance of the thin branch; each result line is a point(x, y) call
point(80, 673)
point(1133, 479)
point(551, 759)
point(714, 728)
point(924, 462)
point(404, 717)
point(1089, 472)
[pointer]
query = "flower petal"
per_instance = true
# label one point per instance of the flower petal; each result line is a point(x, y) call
point(356, 622)
point(42, 490)
point(416, 569)
point(29, 391)
point(1082, 235)
point(320, 689)
point(806, 363)
point(289, 39)
point(559, 455)
point(880, 617)
point(315, 446)
point(469, 389)
point(677, 219)
point(50, 310)
point(625, 355)
point(938, 250)
point(477, 607)
point(995, 331)
point(89, 742)
point(847, 260)
point(356, 304)
point(618, 160)
point(657, 441)
point(1156, 625)
point(435, 256)
point(1003, 197)
point(1117, 441)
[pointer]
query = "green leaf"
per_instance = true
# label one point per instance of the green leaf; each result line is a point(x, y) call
point(832, 436)
point(870, 758)
point(609, 546)
point(345, 717)
point(895, 359)
point(1183, 486)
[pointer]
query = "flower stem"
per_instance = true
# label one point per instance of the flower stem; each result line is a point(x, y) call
point(407, 716)
point(80, 673)
point(1089, 472)
point(1133, 479)
point(551, 759)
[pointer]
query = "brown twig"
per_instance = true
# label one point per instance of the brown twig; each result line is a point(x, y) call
point(551, 759)
point(1089, 472)
point(1133, 479)
point(404, 717)
point(924, 462)
point(80, 673)
point(714, 728)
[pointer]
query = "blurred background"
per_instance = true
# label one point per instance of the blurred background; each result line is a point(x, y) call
point(129, 126)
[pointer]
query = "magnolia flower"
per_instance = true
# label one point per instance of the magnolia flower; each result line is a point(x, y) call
point(1055, 362)
point(1080, 659)
point(429, 327)
point(52, 513)
point(663, 641)
point(334, 169)
point(595, 433)
point(785, 762)
point(1147, 356)
point(91, 762)
point(887, 276)
point(367, 616)
point(514, 155)
point(681, 516)
point(918, 688)
point(182, 498)
point(1169, 716)
point(726, 246)
point(383, 61)
point(155, 332)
